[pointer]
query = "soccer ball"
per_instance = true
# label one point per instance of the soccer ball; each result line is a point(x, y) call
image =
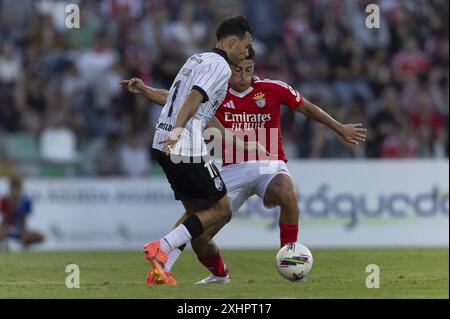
point(294, 262)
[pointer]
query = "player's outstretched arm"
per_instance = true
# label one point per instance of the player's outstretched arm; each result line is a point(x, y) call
point(190, 105)
point(136, 85)
point(350, 133)
point(250, 146)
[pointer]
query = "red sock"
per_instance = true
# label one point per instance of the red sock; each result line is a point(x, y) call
point(214, 264)
point(288, 234)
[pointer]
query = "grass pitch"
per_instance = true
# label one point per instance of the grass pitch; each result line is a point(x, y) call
point(337, 273)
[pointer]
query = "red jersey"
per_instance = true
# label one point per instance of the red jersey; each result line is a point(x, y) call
point(256, 114)
point(14, 211)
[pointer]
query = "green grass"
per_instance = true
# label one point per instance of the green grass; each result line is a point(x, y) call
point(337, 273)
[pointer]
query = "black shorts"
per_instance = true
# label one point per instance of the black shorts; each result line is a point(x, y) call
point(194, 180)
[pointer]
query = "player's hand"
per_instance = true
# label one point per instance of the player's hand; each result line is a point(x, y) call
point(353, 133)
point(134, 85)
point(262, 150)
point(169, 143)
point(252, 146)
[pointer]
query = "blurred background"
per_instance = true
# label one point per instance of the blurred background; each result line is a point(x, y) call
point(65, 123)
point(62, 112)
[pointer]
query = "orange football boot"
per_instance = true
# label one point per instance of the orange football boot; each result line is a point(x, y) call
point(154, 279)
point(157, 258)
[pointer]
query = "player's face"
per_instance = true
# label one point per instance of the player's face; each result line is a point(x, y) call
point(241, 77)
point(239, 48)
point(16, 191)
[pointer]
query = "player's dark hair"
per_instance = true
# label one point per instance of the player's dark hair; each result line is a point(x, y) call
point(237, 25)
point(251, 54)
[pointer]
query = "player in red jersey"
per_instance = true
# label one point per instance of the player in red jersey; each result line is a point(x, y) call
point(15, 208)
point(252, 107)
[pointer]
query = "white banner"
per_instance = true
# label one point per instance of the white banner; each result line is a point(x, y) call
point(356, 204)
point(101, 213)
point(342, 203)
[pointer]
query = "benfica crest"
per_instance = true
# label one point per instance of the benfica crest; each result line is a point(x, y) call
point(259, 99)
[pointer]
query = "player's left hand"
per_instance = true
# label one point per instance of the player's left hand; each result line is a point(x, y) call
point(353, 133)
point(134, 85)
point(169, 143)
point(262, 150)
point(252, 146)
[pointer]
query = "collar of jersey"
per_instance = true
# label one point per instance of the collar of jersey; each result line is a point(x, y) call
point(221, 52)
point(243, 93)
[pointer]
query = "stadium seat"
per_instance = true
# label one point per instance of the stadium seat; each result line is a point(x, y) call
point(58, 145)
point(21, 146)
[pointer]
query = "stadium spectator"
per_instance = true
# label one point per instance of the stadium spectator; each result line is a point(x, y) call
point(102, 157)
point(349, 79)
point(52, 74)
point(410, 61)
point(385, 122)
point(187, 31)
point(135, 157)
point(374, 38)
point(400, 144)
point(15, 208)
point(10, 84)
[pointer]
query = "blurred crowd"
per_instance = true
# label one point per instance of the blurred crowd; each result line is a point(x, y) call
point(393, 79)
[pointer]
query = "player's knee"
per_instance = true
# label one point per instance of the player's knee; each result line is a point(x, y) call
point(225, 214)
point(224, 209)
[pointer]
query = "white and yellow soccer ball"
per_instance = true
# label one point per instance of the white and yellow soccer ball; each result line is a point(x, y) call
point(294, 262)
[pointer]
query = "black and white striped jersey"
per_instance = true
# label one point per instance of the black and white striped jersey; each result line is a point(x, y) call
point(208, 73)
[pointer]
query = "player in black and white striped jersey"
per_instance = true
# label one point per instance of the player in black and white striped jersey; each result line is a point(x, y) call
point(178, 145)
point(208, 74)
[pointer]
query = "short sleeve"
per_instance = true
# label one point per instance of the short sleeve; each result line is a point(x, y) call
point(285, 93)
point(210, 78)
point(290, 97)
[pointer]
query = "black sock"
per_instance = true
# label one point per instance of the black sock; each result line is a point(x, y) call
point(194, 226)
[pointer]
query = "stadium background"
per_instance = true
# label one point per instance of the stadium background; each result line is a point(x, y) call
point(83, 144)
point(393, 79)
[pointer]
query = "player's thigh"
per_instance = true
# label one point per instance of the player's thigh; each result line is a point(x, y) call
point(195, 206)
point(275, 184)
point(280, 191)
point(240, 184)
